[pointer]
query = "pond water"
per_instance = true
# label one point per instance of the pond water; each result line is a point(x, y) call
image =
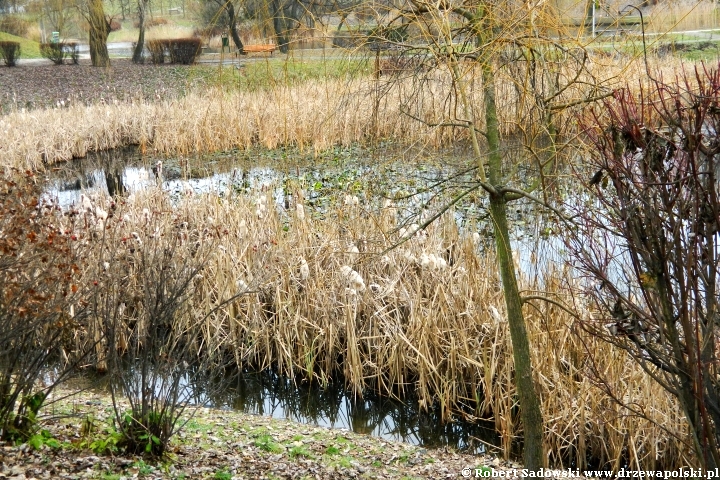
point(273, 395)
point(372, 177)
point(416, 181)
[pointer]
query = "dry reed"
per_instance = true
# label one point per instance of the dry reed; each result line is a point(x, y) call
point(320, 303)
point(314, 114)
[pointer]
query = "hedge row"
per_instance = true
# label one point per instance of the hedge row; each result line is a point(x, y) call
point(179, 50)
point(58, 52)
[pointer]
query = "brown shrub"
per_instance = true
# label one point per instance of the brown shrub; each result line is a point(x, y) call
point(10, 52)
point(184, 50)
point(151, 22)
point(14, 25)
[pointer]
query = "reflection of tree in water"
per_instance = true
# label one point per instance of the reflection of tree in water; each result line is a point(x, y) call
point(268, 393)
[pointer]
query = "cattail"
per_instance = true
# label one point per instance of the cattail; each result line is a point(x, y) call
point(300, 211)
point(100, 213)
point(353, 278)
point(495, 314)
point(85, 203)
point(242, 229)
point(304, 269)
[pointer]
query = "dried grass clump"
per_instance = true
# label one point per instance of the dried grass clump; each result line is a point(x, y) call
point(322, 302)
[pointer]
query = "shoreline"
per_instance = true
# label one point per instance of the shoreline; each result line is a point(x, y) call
point(222, 444)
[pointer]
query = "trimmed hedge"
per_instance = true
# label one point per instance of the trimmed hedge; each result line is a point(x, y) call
point(10, 52)
point(184, 50)
point(157, 50)
point(58, 52)
point(180, 50)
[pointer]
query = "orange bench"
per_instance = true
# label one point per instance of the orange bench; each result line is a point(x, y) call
point(269, 48)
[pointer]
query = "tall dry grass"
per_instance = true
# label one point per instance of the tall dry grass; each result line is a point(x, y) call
point(683, 15)
point(320, 302)
point(325, 300)
point(313, 114)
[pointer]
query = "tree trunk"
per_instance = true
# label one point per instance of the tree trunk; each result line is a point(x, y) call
point(140, 45)
point(99, 31)
point(230, 9)
point(533, 456)
point(279, 23)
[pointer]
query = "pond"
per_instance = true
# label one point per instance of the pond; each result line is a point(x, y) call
point(419, 183)
point(414, 183)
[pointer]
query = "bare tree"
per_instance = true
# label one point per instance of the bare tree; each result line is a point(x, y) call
point(497, 60)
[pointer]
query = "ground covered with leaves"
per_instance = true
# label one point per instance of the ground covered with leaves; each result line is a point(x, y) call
point(78, 441)
point(47, 85)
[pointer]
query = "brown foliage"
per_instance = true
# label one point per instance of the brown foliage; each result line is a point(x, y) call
point(39, 308)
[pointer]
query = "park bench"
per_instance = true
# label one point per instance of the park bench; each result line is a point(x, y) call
point(269, 48)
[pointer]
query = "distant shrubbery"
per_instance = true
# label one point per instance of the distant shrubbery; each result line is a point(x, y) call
point(10, 52)
point(58, 52)
point(14, 25)
point(179, 50)
point(151, 22)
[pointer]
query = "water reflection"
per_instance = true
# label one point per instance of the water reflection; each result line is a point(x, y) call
point(272, 395)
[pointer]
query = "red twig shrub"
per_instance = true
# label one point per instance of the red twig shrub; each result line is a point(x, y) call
point(647, 241)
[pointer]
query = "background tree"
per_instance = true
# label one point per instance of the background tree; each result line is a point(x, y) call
point(99, 31)
point(223, 14)
point(61, 15)
point(142, 6)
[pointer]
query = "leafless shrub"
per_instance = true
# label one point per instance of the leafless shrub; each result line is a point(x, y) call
point(647, 242)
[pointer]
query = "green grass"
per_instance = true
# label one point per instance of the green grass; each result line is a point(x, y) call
point(266, 443)
point(28, 48)
point(274, 72)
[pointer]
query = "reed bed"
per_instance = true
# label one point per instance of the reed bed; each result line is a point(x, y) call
point(314, 115)
point(683, 15)
point(330, 301)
